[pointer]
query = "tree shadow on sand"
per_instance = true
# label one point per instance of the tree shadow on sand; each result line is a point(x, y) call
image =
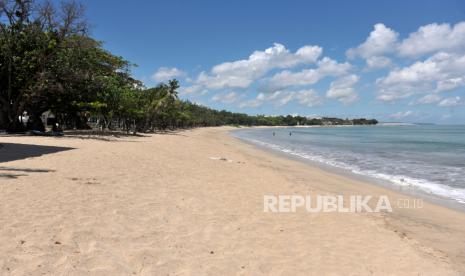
point(12, 151)
point(13, 173)
point(17, 172)
point(115, 136)
point(110, 136)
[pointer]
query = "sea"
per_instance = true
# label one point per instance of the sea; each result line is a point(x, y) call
point(421, 159)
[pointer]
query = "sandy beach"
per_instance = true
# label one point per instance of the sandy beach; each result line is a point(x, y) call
point(191, 203)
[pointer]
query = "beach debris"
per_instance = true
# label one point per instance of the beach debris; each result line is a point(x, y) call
point(57, 242)
point(212, 252)
point(88, 181)
point(220, 158)
point(43, 133)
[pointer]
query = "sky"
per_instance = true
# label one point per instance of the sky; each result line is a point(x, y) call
point(398, 61)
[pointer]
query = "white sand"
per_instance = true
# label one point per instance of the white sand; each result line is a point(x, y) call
point(160, 205)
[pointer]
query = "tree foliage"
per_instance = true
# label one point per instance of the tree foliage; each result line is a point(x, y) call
point(48, 62)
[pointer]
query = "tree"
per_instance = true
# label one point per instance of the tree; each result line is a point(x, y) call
point(18, 51)
point(49, 62)
point(32, 44)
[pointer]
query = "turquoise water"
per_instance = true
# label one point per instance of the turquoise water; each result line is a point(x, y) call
point(428, 158)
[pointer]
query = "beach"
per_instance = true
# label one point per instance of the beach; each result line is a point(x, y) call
point(192, 203)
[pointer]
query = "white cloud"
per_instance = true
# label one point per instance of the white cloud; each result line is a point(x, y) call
point(305, 97)
point(380, 41)
point(377, 62)
point(288, 78)
point(165, 73)
point(284, 99)
point(242, 73)
point(450, 84)
point(190, 89)
point(279, 97)
point(441, 72)
point(235, 80)
point(427, 39)
point(225, 98)
point(330, 67)
point(401, 114)
point(451, 102)
point(326, 67)
point(342, 89)
point(429, 99)
point(280, 73)
point(251, 103)
point(309, 98)
point(432, 38)
point(307, 54)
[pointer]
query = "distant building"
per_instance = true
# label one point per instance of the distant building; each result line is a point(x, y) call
point(24, 118)
point(48, 118)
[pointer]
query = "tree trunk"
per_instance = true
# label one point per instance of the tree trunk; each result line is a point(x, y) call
point(12, 120)
point(35, 122)
point(81, 122)
point(3, 119)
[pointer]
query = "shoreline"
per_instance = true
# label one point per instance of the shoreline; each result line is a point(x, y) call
point(441, 212)
point(384, 183)
point(192, 203)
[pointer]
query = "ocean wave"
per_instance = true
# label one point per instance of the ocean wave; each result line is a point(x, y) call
point(422, 185)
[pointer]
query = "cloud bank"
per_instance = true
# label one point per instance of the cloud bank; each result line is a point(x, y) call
point(425, 67)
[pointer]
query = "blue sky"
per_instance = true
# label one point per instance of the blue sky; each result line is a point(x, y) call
point(391, 60)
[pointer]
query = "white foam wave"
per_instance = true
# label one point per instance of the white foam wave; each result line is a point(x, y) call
point(426, 186)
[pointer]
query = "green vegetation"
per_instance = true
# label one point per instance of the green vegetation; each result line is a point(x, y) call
point(48, 62)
